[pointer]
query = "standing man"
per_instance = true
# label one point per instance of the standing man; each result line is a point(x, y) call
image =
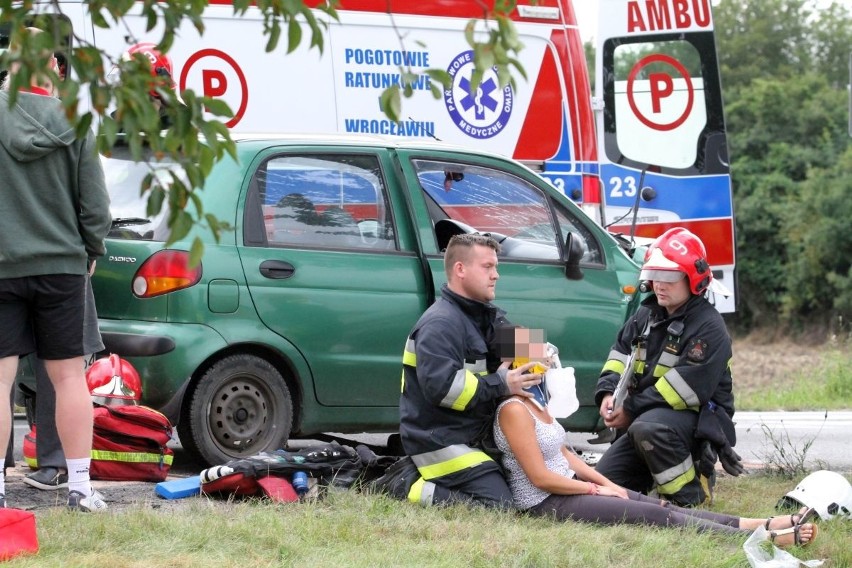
point(452, 381)
point(683, 362)
point(55, 212)
point(52, 474)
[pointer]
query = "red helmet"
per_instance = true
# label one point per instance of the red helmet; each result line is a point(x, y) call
point(113, 381)
point(675, 253)
point(161, 64)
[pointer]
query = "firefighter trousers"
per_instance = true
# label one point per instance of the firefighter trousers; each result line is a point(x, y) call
point(657, 452)
point(488, 489)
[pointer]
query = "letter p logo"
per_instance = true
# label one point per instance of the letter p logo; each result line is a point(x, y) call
point(214, 83)
point(661, 86)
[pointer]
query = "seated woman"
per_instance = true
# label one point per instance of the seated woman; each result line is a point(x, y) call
point(548, 479)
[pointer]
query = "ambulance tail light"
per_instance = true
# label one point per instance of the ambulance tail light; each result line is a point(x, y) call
point(592, 202)
point(165, 271)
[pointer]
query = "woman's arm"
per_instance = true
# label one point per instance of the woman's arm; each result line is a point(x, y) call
point(519, 428)
point(587, 473)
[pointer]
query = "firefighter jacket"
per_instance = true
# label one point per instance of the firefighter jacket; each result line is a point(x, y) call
point(684, 360)
point(451, 385)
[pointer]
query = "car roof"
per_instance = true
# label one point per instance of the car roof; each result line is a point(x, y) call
point(359, 140)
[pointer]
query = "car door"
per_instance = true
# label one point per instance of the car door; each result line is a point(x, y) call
point(329, 263)
point(581, 317)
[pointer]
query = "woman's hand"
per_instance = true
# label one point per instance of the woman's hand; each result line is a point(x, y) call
point(613, 490)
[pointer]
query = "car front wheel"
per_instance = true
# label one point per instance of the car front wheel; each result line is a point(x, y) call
point(242, 406)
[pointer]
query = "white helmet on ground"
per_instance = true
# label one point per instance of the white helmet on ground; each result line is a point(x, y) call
point(828, 492)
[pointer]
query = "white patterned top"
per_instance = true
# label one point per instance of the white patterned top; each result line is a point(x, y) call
point(551, 440)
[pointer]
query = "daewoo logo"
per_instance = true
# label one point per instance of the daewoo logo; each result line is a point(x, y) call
point(122, 258)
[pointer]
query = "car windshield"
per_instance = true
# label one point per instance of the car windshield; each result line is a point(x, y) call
point(129, 209)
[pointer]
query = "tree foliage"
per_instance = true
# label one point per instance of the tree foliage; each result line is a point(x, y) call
point(118, 87)
point(784, 76)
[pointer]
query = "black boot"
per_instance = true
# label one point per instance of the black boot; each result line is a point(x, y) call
point(397, 480)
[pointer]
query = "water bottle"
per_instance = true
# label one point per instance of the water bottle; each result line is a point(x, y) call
point(300, 483)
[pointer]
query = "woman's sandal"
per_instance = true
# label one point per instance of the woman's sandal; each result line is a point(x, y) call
point(798, 520)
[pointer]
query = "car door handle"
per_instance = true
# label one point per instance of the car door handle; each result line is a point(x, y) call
point(277, 269)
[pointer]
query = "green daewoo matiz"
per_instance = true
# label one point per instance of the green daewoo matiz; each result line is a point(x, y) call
point(294, 323)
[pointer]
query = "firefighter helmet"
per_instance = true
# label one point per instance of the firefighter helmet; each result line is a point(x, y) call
point(827, 492)
point(161, 64)
point(113, 381)
point(675, 253)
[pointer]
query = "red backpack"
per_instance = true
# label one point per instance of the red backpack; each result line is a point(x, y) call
point(129, 444)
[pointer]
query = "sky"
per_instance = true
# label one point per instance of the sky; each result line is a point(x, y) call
point(587, 15)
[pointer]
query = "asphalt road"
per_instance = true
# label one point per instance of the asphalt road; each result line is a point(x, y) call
point(823, 440)
point(820, 440)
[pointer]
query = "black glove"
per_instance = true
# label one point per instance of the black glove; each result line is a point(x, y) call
point(731, 461)
point(707, 459)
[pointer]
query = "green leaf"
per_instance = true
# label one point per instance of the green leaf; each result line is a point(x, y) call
point(156, 198)
point(180, 227)
point(440, 76)
point(390, 102)
point(294, 33)
point(196, 251)
point(109, 129)
point(468, 32)
point(518, 67)
point(218, 107)
point(483, 58)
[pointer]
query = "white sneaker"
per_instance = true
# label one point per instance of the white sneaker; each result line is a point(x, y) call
point(92, 504)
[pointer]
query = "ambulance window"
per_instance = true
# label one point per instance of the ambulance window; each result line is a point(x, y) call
point(325, 201)
point(465, 198)
point(663, 105)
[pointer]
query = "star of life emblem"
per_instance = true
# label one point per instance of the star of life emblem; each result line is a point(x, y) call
point(481, 114)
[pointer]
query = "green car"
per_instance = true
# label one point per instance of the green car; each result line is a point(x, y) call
point(294, 323)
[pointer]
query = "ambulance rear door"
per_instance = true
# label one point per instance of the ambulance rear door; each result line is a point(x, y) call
point(664, 156)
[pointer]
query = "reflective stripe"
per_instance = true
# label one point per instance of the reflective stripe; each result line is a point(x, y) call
point(668, 359)
point(615, 362)
point(673, 479)
point(616, 367)
point(402, 381)
point(422, 492)
point(477, 367)
point(676, 391)
point(461, 391)
point(132, 457)
point(409, 356)
point(427, 496)
point(448, 460)
point(618, 356)
point(660, 370)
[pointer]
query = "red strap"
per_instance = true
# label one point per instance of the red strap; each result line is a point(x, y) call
point(36, 91)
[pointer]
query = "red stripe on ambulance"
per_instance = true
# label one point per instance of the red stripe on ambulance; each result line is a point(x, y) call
point(717, 235)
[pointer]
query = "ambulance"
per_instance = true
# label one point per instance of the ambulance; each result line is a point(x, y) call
point(647, 152)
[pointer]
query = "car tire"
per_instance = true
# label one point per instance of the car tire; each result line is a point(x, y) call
point(241, 407)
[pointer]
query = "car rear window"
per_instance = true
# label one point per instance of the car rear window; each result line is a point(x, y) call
point(129, 209)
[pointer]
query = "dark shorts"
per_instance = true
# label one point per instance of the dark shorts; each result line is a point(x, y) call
point(45, 314)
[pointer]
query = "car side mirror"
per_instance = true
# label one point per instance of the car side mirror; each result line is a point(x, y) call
point(571, 255)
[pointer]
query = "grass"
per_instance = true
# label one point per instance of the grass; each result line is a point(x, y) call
point(789, 377)
point(353, 529)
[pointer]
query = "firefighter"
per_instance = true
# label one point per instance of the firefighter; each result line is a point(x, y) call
point(162, 77)
point(451, 382)
point(683, 362)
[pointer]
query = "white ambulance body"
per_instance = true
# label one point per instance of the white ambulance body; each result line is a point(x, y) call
point(660, 127)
